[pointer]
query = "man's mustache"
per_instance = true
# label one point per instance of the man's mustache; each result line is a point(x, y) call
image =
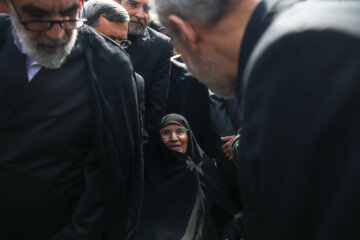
point(139, 21)
point(52, 43)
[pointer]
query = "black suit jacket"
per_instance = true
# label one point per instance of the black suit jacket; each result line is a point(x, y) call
point(299, 166)
point(150, 54)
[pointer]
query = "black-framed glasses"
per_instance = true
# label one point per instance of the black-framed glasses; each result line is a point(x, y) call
point(45, 25)
point(125, 43)
point(168, 132)
point(135, 5)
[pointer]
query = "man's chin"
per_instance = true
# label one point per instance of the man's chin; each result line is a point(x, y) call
point(136, 30)
point(227, 94)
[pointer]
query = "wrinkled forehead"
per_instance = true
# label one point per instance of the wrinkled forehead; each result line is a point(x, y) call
point(50, 6)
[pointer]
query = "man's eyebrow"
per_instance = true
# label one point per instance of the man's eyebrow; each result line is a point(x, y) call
point(73, 8)
point(38, 12)
point(34, 11)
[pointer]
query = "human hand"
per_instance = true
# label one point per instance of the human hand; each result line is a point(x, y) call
point(226, 147)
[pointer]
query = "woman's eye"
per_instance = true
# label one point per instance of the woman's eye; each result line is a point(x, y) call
point(180, 131)
point(167, 132)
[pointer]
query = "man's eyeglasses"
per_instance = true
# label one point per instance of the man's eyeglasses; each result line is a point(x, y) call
point(45, 25)
point(168, 133)
point(125, 43)
point(135, 5)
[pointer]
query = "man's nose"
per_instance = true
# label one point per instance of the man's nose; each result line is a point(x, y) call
point(140, 12)
point(56, 32)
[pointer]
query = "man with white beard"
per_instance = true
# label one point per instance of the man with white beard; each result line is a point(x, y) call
point(70, 156)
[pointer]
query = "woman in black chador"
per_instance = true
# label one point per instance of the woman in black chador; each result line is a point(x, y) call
point(184, 196)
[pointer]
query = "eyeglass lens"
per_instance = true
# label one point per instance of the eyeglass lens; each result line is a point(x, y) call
point(136, 5)
point(167, 132)
point(46, 25)
point(43, 25)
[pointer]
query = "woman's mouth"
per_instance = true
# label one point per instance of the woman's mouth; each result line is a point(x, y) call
point(175, 146)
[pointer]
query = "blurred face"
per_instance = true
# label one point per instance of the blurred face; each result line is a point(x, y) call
point(51, 47)
point(139, 15)
point(209, 69)
point(114, 30)
point(175, 137)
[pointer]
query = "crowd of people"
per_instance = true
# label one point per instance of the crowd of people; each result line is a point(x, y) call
point(179, 119)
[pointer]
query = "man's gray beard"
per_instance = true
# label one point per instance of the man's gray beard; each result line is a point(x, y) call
point(137, 30)
point(204, 68)
point(52, 59)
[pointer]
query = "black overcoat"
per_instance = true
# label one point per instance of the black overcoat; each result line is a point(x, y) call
point(299, 168)
point(115, 196)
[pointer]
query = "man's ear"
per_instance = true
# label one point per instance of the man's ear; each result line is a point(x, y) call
point(187, 33)
point(4, 6)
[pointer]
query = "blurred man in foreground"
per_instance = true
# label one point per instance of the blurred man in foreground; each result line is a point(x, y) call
point(295, 67)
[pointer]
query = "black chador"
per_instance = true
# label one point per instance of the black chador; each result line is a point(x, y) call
point(184, 196)
point(70, 159)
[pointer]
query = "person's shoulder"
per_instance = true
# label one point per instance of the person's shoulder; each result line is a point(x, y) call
point(4, 20)
point(111, 64)
point(155, 35)
point(317, 16)
point(4, 17)
point(311, 19)
point(101, 46)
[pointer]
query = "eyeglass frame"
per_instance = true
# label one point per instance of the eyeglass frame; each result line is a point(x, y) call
point(146, 7)
point(52, 22)
point(172, 131)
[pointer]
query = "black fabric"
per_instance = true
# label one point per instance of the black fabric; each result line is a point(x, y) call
point(70, 156)
point(150, 54)
point(140, 87)
point(184, 194)
point(225, 119)
point(189, 98)
point(299, 168)
point(262, 17)
point(25, 129)
point(225, 116)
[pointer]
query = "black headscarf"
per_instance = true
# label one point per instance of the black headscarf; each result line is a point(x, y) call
point(180, 190)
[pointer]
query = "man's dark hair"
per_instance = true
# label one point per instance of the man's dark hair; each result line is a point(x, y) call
point(109, 9)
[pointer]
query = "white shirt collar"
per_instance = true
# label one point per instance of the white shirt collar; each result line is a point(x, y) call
point(32, 66)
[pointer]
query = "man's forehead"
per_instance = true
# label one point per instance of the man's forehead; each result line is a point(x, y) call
point(144, 2)
point(48, 5)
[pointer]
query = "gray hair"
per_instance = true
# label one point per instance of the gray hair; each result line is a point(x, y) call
point(204, 12)
point(109, 9)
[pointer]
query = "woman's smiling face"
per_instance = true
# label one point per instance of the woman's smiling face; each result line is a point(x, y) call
point(175, 137)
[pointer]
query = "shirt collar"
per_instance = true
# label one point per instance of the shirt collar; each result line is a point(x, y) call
point(33, 67)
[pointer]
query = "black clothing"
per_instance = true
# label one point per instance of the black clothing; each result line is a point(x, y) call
point(262, 17)
point(225, 120)
point(225, 117)
point(299, 170)
point(150, 54)
point(67, 168)
point(184, 195)
point(140, 87)
point(189, 98)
